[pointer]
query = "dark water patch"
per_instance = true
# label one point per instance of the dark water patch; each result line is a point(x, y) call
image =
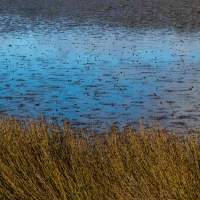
point(179, 123)
point(186, 117)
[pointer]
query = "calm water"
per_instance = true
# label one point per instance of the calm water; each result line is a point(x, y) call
point(92, 74)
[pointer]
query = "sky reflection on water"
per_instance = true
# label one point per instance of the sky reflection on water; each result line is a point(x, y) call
point(90, 75)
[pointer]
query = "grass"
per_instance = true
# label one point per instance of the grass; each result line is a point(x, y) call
point(40, 160)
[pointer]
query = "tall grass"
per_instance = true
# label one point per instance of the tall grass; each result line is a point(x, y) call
point(40, 160)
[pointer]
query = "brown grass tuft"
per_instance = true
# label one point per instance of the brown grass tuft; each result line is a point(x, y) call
point(40, 160)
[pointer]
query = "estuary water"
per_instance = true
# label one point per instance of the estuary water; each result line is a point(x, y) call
point(97, 75)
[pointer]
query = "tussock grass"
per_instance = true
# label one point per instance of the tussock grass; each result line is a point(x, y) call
point(40, 160)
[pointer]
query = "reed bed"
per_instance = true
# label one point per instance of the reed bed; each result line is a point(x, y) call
point(43, 160)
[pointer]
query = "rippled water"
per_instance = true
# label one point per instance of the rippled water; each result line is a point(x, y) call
point(93, 74)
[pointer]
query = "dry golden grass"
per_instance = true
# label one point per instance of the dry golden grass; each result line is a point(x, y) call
point(40, 160)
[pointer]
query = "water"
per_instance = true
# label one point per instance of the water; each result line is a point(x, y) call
point(95, 74)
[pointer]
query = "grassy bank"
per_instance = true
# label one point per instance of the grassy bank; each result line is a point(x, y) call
point(40, 160)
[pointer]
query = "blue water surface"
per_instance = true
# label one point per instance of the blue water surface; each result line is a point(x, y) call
point(94, 75)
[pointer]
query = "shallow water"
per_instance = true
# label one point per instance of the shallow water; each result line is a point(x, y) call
point(93, 74)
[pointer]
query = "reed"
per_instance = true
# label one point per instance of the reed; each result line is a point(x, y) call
point(42, 160)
